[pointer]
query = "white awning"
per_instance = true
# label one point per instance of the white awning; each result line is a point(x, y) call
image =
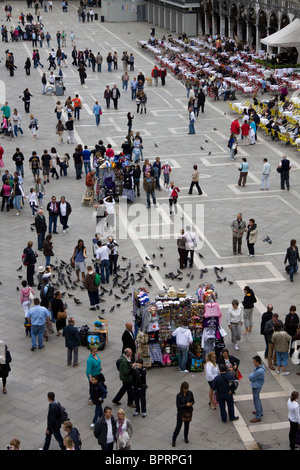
point(289, 36)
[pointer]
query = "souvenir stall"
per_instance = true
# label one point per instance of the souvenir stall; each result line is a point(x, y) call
point(156, 320)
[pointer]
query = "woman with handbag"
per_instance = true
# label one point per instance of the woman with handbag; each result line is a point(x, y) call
point(294, 418)
point(59, 312)
point(124, 431)
point(26, 296)
point(184, 402)
point(232, 145)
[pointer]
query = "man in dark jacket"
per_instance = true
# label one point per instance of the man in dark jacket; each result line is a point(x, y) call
point(128, 340)
point(269, 330)
point(41, 228)
point(53, 423)
point(221, 384)
point(266, 316)
point(125, 372)
point(29, 261)
point(201, 100)
point(72, 341)
point(105, 430)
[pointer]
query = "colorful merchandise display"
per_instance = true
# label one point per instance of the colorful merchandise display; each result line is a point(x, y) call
point(156, 320)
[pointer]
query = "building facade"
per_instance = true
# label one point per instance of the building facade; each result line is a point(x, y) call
point(247, 21)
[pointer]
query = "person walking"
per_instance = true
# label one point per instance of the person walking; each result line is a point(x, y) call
point(191, 121)
point(235, 322)
point(269, 330)
point(72, 342)
point(149, 187)
point(266, 316)
point(29, 260)
point(115, 95)
point(243, 168)
point(195, 181)
point(251, 236)
point(232, 145)
point(53, 422)
point(291, 323)
point(184, 404)
point(105, 430)
point(125, 366)
point(184, 339)
point(38, 317)
point(292, 256)
point(97, 111)
point(78, 259)
point(283, 169)
point(64, 209)
point(48, 249)
point(41, 228)
point(257, 378)
point(211, 371)
point(98, 394)
point(139, 387)
point(191, 244)
point(248, 304)
point(223, 384)
point(107, 96)
point(181, 243)
point(102, 261)
point(294, 417)
point(5, 365)
point(238, 227)
point(173, 197)
point(93, 367)
point(53, 209)
point(281, 340)
point(124, 431)
point(265, 177)
point(91, 285)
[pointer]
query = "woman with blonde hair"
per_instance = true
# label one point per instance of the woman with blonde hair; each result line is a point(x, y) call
point(69, 443)
point(211, 371)
point(124, 431)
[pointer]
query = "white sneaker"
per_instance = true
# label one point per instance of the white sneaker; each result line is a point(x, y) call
point(64, 231)
point(92, 425)
point(285, 373)
point(184, 370)
point(236, 347)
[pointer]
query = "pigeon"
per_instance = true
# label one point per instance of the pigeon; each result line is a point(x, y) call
point(230, 282)
point(70, 295)
point(267, 239)
point(146, 257)
point(156, 145)
point(20, 268)
point(200, 256)
point(77, 301)
point(112, 309)
point(17, 288)
point(201, 148)
point(117, 297)
point(187, 286)
point(123, 258)
point(161, 247)
point(206, 140)
point(215, 129)
point(209, 153)
point(179, 272)
point(20, 277)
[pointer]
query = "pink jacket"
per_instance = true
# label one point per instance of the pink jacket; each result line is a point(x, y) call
point(25, 294)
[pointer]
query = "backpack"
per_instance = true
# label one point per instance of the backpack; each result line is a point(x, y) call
point(63, 413)
point(78, 438)
point(49, 294)
point(97, 279)
point(24, 259)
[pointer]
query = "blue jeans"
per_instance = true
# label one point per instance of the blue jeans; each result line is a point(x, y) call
point(257, 403)
point(152, 194)
point(94, 297)
point(16, 129)
point(77, 112)
point(98, 413)
point(47, 260)
point(37, 331)
point(87, 167)
point(105, 267)
point(97, 116)
point(52, 221)
point(41, 238)
point(191, 127)
point(20, 170)
point(17, 202)
point(182, 357)
point(133, 93)
point(99, 67)
point(293, 269)
point(109, 66)
point(222, 399)
point(125, 85)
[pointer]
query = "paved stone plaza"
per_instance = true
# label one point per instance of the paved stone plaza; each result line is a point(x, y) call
point(23, 410)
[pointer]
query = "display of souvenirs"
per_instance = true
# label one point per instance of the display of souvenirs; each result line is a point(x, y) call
point(155, 321)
